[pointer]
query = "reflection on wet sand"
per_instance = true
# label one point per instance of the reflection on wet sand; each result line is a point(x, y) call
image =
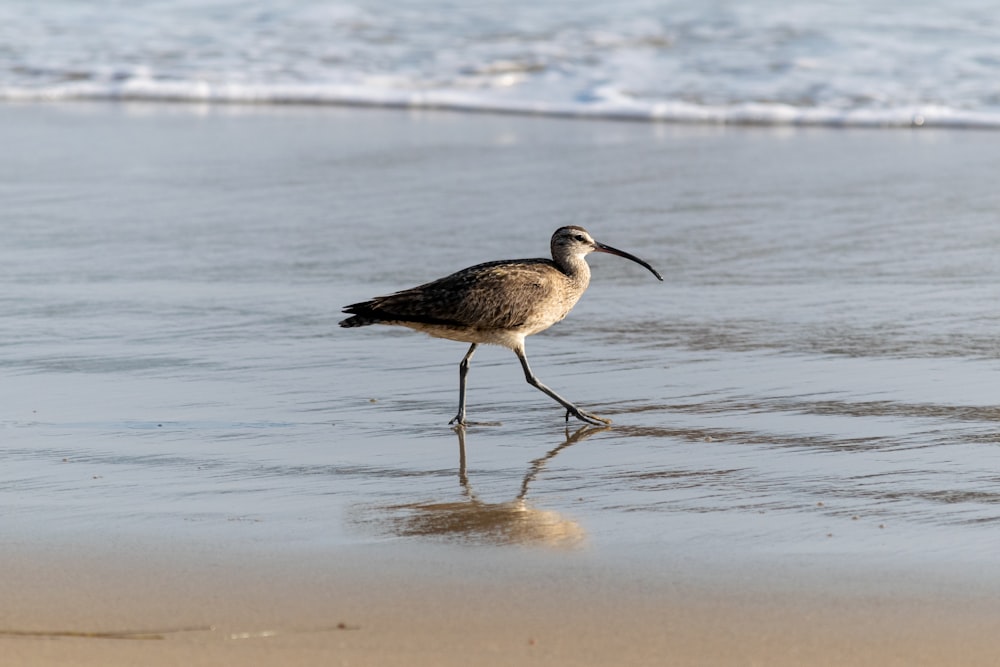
point(473, 520)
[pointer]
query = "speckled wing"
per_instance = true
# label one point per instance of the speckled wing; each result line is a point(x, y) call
point(495, 295)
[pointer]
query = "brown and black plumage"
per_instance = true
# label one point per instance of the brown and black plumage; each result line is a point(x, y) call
point(498, 303)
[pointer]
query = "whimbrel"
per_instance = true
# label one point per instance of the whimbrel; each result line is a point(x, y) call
point(498, 303)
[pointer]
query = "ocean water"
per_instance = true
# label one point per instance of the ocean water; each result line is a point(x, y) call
point(881, 63)
point(818, 375)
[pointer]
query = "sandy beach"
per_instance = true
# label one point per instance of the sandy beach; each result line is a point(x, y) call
point(405, 606)
point(201, 469)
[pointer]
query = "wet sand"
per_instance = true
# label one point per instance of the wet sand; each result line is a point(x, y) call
point(90, 605)
point(200, 468)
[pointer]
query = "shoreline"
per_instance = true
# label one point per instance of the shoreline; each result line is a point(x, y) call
point(194, 461)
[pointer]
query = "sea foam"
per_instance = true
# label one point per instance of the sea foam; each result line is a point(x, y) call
point(858, 64)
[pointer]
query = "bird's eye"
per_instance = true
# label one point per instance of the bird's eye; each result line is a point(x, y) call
point(579, 237)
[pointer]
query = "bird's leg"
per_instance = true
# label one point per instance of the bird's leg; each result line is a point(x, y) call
point(570, 408)
point(463, 476)
point(463, 372)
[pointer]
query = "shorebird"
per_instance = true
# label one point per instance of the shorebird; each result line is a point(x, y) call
point(497, 303)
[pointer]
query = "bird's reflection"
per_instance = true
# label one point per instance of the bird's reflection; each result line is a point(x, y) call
point(514, 522)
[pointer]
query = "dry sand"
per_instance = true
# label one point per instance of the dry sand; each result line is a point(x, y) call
point(140, 604)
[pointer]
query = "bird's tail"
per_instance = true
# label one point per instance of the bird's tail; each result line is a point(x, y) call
point(363, 315)
point(358, 321)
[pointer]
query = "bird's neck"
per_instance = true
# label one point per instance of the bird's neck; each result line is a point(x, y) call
point(576, 269)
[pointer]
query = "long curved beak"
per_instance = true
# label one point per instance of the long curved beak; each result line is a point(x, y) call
point(600, 247)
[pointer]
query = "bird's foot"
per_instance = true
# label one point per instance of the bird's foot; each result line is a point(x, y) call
point(457, 420)
point(587, 417)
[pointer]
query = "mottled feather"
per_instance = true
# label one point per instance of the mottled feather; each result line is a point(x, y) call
point(504, 294)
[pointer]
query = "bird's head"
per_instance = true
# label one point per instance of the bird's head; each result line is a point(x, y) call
point(574, 241)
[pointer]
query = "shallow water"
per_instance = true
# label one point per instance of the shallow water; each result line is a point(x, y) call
point(817, 375)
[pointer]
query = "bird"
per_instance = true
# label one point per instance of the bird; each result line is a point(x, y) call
point(497, 303)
